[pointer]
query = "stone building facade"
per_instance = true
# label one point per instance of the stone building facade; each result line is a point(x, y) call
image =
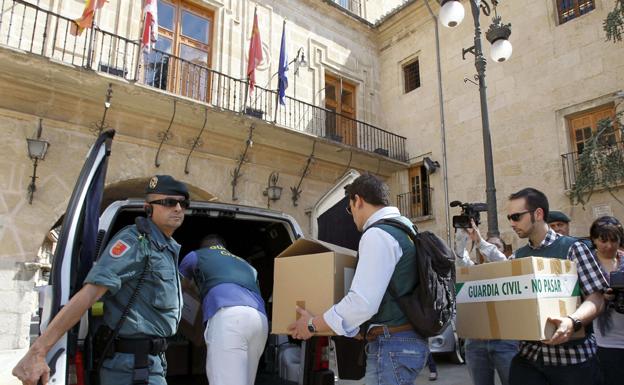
point(559, 72)
point(357, 63)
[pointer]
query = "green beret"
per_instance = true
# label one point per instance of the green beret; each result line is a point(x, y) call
point(165, 184)
point(557, 216)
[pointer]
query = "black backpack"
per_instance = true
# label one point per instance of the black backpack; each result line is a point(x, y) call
point(430, 307)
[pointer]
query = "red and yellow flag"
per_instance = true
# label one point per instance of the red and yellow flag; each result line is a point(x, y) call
point(86, 20)
point(255, 52)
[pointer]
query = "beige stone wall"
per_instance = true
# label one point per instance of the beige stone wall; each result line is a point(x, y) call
point(555, 70)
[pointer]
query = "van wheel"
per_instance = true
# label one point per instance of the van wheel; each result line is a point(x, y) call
point(458, 356)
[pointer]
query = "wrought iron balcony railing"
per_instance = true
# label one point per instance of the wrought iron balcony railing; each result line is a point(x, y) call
point(415, 204)
point(612, 153)
point(30, 28)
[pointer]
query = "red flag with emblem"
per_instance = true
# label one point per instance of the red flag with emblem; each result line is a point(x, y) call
point(255, 52)
point(86, 20)
point(150, 25)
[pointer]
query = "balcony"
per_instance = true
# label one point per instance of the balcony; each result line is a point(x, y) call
point(32, 29)
point(600, 167)
point(415, 205)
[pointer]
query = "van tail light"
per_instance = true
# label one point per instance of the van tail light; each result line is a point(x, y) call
point(75, 370)
point(321, 353)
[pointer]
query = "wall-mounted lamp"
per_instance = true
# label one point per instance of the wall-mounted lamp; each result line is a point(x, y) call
point(273, 192)
point(299, 60)
point(430, 165)
point(37, 150)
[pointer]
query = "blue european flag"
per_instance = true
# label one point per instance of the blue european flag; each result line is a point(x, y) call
point(282, 83)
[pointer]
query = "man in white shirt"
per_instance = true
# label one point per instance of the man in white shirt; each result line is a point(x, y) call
point(386, 255)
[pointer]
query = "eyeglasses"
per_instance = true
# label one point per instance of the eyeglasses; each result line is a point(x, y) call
point(170, 202)
point(516, 216)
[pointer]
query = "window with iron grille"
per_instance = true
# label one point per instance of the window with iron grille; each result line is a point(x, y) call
point(411, 76)
point(571, 9)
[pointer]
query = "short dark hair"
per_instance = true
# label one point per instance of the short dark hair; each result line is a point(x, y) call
point(213, 240)
point(607, 228)
point(370, 188)
point(534, 198)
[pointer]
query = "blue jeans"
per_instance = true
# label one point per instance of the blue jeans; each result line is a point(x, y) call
point(485, 356)
point(395, 359)
point(525, 372)
point(433, 368)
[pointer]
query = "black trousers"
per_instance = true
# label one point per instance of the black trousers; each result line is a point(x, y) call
point(611, 362)
point(526, 372)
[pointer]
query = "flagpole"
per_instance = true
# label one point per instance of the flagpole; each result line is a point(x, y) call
point(279, 69)
point(277, 103)
point(247, 93)
point(137, 67)
point(91, 36)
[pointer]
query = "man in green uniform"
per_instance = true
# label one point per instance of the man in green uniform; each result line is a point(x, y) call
point(142, 254)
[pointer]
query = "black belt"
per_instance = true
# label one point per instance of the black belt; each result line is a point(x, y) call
point(141, 348)
point(153, 346)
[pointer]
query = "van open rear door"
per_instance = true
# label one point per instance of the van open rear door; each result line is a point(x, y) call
point(75, 251)
point(331, 223)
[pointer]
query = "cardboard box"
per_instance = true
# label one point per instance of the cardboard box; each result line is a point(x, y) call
point(513, 299)
point(311, 274)
point(191, 323)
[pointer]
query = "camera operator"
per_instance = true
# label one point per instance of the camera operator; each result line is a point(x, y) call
point(483, 357)
point(607, 235)
point(491, 250)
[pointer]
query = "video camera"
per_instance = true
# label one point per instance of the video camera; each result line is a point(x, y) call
point(617, 284)
point(469, 211)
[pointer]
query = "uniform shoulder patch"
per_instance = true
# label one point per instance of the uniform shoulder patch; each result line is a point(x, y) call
point(119, 248)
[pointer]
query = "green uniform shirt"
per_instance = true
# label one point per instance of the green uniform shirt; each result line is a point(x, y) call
point(157, 308)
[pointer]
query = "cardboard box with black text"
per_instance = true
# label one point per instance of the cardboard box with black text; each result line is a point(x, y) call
point(513, 299)
point(310, 274)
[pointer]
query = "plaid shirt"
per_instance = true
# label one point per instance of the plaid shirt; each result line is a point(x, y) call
point(591, 280)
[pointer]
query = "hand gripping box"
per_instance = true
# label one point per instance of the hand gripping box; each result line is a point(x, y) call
point(513, 299)
point(311, 274)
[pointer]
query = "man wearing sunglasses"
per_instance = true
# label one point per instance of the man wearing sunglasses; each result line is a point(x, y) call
point(386, 255)
point(558, 360)
point(137, 279)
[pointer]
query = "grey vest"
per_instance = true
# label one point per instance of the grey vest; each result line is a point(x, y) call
point(216, 265)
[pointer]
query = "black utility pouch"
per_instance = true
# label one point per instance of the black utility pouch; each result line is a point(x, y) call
point(100, 344)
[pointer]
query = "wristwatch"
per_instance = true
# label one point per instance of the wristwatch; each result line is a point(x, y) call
point(311, 327)
point(577, 324)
